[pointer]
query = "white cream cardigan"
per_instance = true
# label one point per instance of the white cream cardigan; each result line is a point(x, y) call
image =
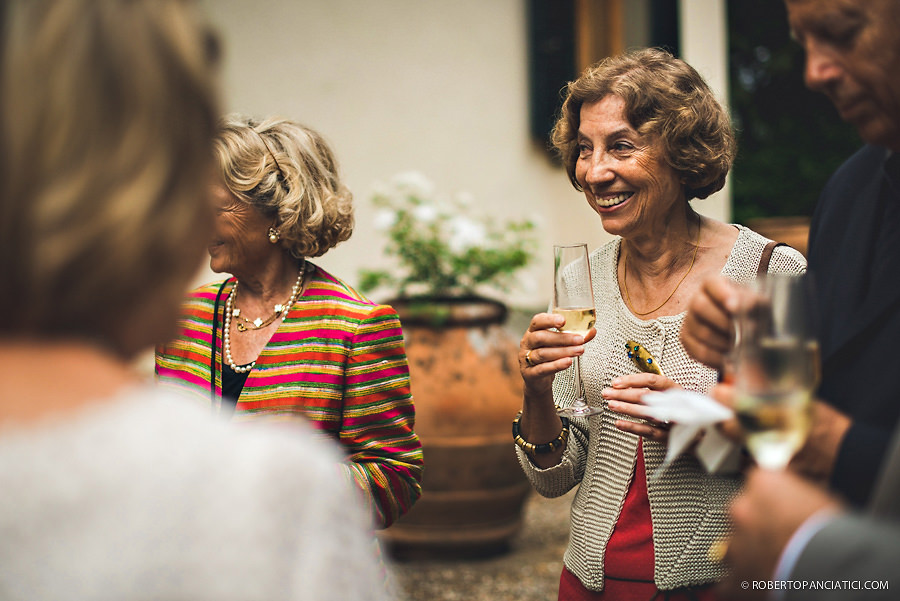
point(687, 505)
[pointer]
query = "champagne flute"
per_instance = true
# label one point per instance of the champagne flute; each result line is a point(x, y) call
point(573, 298)
point(776, 367)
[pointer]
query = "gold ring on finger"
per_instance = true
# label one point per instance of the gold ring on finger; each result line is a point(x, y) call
point(528, 358)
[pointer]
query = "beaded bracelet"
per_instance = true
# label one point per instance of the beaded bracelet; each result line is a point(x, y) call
point(532, 449)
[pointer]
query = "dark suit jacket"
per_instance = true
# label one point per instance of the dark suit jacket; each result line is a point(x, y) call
point(857, 276)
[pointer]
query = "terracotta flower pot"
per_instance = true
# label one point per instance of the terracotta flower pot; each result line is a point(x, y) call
point(467, 388)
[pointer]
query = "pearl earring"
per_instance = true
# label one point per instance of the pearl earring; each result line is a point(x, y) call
point(274, 235)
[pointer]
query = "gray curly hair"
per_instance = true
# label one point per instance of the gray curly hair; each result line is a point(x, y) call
point(288, 172)
point(664, 97)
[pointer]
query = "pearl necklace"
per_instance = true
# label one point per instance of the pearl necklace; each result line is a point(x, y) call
point(259, 323)
point(231, 311)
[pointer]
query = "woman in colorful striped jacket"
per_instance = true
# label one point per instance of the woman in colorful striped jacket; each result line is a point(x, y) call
point(283, 338)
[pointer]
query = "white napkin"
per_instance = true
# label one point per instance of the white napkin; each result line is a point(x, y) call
point(691, 413)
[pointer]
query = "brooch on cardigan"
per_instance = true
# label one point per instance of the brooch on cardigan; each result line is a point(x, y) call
point(642, 358)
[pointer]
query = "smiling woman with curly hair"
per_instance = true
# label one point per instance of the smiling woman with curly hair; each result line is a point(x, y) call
point(641, 135)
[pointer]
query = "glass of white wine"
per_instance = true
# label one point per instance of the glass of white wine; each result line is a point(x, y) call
point(573, 298)
point(776, 365)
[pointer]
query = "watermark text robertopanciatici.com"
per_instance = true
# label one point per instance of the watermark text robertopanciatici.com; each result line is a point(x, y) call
point(816, 585)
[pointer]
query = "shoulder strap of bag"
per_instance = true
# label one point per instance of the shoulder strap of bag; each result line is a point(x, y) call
point(212, 354)
point(767, 256)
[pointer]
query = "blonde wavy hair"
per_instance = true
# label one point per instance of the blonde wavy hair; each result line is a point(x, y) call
point(665, 98)
point(288, 172)
point(108, 113)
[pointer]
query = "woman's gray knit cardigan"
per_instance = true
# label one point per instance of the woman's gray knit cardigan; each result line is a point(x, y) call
point(687, 505)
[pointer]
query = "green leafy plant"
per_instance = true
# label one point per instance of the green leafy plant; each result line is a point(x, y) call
point(442, 247)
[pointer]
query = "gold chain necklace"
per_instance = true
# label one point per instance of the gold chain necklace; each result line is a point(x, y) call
point(668, 298)
point(233, 312)
point(260, 323)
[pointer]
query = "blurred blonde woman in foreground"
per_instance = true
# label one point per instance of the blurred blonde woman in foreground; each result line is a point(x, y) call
point(112, 490)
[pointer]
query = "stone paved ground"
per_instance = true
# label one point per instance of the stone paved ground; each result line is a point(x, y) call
point(528, 572)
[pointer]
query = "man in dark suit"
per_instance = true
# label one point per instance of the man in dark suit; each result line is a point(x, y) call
point(853, 56)
point(787, 529)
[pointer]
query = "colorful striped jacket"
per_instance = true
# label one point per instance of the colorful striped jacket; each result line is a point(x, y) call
point(338, 359)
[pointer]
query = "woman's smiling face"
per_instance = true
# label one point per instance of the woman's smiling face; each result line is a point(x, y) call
point(624, 177)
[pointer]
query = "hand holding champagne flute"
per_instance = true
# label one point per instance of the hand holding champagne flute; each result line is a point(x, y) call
point(776, 367)
point(573, 298)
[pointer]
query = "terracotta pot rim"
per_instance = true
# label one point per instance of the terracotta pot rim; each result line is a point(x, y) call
point(444, 311)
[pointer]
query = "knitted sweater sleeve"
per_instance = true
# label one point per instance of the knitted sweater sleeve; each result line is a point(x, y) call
point(787, 260)
point(559, 479)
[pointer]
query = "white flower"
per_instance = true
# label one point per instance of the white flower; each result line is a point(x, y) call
point(447, 231)
point(465, 234)
point(414, 183)
point(425, 213)
point(384, 219)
